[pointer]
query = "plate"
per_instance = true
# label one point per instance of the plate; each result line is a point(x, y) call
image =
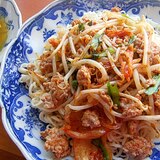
point(19, 119)
point(12, 16)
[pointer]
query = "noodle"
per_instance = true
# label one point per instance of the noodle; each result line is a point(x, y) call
point(60, 45)
point(78, 108)
point(54, 65)
point(145, 54)
point(114, 66)
point(72, 45)
point(155, 67)
point(64, 62)
point(136, 79)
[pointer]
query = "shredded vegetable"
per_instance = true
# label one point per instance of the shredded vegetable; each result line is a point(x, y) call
point(114, 93)
point(98, 143)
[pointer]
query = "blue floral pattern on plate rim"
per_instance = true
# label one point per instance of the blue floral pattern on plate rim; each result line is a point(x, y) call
point(20, 120)
point(10, 12)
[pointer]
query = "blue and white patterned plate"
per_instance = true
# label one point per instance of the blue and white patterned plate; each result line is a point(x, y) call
point(10, 12)
point(20, 120)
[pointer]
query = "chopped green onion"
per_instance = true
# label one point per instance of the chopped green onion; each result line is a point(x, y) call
point(75, 84)
point(98, 143)
point(154, 88)
point(95, 56)
point(114, 93)
point(132, 39)
point(96, 41)
point(81, 27)
point(111, 50)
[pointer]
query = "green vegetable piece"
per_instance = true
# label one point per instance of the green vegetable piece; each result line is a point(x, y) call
point(68, 62)
point(114, 93)
point(90, 23)
point(95, 56)
point(119, 45)
point(154, 88)
point(132, 39)
point(98, 143)
point(81, 27)
point(96, 41)
point(111, 50)
point(75, 84)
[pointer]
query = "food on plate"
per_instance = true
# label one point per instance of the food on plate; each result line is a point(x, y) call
point(3, 32)
point(97, 86)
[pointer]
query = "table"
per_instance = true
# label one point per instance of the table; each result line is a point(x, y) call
point(8, 150)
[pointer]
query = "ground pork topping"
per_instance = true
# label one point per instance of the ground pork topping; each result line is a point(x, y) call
point(58, 92)
point(84, 76)
point(131, 112)
point(138, 148)
point(90, 119)
point(56, 142)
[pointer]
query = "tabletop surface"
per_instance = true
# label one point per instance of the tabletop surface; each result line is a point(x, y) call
point(8, 150)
